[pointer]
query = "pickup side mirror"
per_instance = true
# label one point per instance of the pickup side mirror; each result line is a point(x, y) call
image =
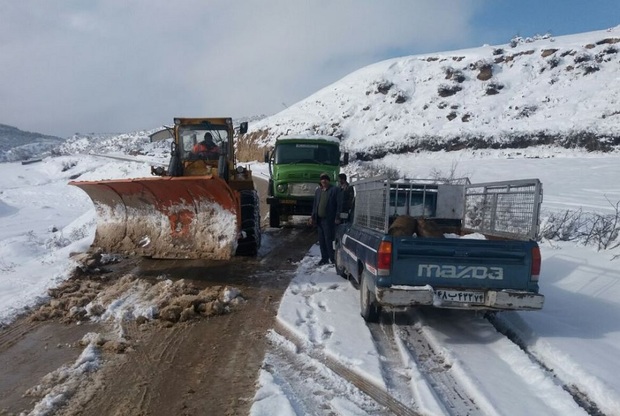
point(267, 157)
point(345, 159)
point(243, 127)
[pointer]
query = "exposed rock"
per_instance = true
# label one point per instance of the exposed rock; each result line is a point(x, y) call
point(608, 41)
point(446, 90)
point(384, 87)
point(486, 73)
point(400, 98)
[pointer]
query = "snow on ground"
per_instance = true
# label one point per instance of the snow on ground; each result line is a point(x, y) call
point(576, 334)
point(43, 220)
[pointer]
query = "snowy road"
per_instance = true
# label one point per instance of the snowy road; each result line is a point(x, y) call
point(421, 361)
point(425, 372)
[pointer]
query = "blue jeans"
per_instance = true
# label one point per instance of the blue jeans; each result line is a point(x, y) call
point(327, 233)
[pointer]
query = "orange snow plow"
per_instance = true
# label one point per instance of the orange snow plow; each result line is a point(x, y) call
point(200, 207)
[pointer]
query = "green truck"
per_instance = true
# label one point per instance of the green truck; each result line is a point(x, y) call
point(295, 165)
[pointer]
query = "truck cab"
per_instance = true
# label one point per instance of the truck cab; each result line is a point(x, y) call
point(295, 165)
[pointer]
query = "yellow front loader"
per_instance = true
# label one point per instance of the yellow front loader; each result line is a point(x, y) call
point(202, 206)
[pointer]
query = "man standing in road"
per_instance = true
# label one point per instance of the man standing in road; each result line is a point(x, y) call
point(325, 209)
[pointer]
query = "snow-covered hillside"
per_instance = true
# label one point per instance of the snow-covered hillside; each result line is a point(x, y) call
point(539, 90)
point(16, 144)
point(127, 143)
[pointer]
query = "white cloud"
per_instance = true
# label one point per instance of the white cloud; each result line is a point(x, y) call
point(118, 66)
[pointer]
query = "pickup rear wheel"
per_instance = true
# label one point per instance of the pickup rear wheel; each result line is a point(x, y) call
point(338, 262)
point(369, 309)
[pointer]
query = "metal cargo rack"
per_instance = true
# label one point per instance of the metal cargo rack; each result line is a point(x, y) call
point(504, 209)
point(379, 199)
point(508, 209)
point(371, 203)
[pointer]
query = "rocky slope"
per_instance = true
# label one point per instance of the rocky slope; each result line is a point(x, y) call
point(541, 90)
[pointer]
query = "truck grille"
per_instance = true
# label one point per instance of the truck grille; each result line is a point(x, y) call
point(302, 189)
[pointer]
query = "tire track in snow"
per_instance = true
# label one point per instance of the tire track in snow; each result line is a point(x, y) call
point(308, 385)
point(495, 372)
point(581, 398)
point(433, 380)
point(378, 394)
point(396, 375)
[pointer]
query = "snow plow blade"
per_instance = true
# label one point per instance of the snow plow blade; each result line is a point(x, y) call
point(185, 217)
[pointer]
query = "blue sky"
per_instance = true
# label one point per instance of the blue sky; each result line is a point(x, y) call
point(502, 19)
point(118, 66)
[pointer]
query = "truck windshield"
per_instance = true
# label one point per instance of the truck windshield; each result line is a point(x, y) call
point(317, 153)
point(190, 136)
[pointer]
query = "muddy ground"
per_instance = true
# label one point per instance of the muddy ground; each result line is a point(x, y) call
point(133, 336)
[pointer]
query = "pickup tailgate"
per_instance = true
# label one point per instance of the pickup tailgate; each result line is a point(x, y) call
point(463, 263)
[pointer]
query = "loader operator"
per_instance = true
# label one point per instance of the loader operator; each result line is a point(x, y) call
point(206, 149)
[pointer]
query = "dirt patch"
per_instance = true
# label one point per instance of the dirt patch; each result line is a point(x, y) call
point(133, 298)
point(145, 333)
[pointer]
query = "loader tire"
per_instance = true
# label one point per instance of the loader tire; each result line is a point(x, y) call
point(250, 224)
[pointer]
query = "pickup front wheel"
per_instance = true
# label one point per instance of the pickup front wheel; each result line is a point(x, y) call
point(369, 309)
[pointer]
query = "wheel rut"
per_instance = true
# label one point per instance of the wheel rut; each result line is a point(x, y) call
point(581, 398)
point(451, 396)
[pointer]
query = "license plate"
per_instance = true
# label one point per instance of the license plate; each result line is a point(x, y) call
point(288, 201)
point(459, 296)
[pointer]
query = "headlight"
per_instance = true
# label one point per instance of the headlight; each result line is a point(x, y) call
point(281, 187)
point(240, 169)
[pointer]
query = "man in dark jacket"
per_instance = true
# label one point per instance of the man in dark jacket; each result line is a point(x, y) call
point(347, 196)
point(325, 210)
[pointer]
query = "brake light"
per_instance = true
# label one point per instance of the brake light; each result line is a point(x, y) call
point(384, 258)
point(536, 261)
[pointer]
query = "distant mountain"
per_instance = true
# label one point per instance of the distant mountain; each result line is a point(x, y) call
point(542, 90)
point(95, 143)
point(16, 144)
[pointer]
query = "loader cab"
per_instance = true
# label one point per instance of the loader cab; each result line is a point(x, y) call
point(188, 132)
point(202, 146)
point(192, 139)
